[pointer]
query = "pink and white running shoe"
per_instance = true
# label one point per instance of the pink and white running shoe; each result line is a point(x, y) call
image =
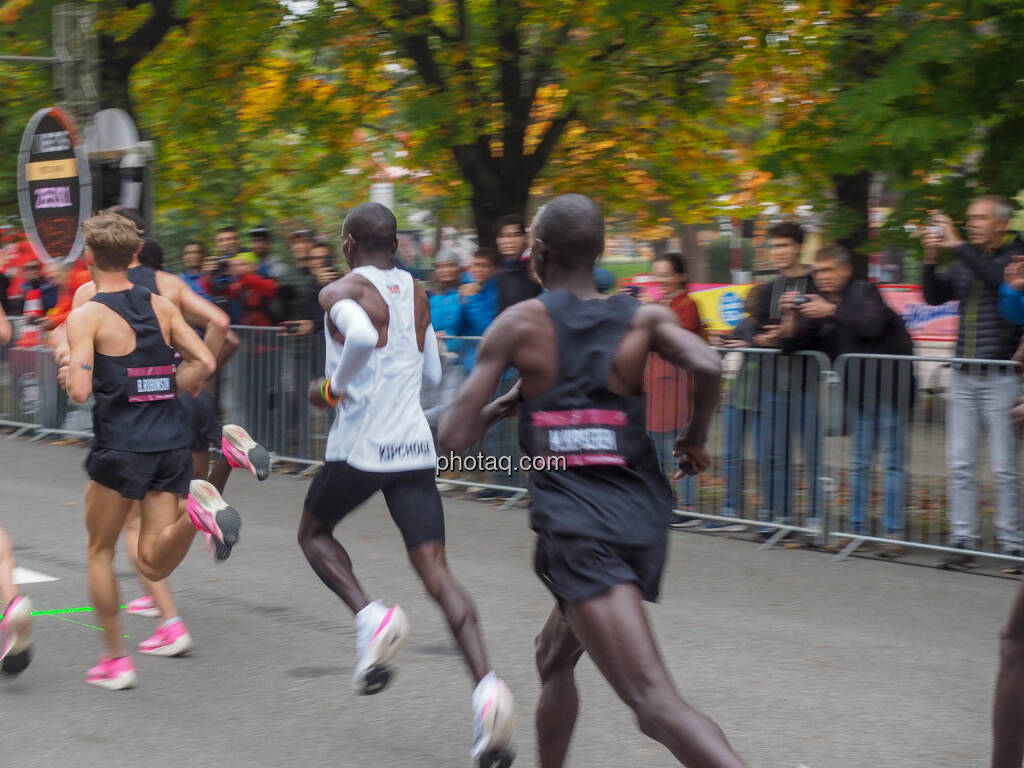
point(243, 452)
point(212, 515)
point(113, 674)
point(143, 606)
point(169, 640)
point(380, 632)
point(16, 636)
point(494, 723)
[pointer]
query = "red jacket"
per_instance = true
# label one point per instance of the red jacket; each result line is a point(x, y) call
point(670, 390)
point(254, 292)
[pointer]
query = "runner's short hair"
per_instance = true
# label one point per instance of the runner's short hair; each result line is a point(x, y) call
point(112, 239)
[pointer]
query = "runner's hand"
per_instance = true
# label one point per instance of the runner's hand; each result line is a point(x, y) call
point(693, 459)
point(1014, 274)
point(316, 399)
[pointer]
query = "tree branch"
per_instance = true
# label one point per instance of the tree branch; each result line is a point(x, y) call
point(516, 109)
point(536, 161)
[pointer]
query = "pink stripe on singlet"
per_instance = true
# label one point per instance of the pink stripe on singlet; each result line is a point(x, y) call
point(592, 459)
point(579, 417)
point(157, 370)
point(151, 398)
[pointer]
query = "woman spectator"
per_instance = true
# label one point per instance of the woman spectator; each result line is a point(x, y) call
point(669, 390)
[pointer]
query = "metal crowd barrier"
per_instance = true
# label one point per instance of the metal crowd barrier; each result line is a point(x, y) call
point(794, 443)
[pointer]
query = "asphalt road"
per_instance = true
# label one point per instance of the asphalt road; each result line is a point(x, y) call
point(802, 661)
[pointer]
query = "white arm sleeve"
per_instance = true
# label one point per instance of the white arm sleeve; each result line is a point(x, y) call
point(431, 359)
point(360, 340)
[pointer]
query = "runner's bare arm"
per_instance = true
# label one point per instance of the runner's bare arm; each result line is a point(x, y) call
point(201, 313)
point(473, 413)
point(198, 362)
point(5, 328)
point(687, 350)
point(76, 376)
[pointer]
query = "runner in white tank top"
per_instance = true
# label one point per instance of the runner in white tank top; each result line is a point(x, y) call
point(380, 426)
point(380, 349)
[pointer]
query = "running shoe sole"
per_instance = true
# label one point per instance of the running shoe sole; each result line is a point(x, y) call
point(220, 520)
point(122, 682)
point(244, 450)
point(179, 647)
point(382, 648)
point(495, 758)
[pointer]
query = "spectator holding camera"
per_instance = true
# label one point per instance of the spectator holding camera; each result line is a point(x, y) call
point(785, 401)
point(850, 317)
point(979, 394)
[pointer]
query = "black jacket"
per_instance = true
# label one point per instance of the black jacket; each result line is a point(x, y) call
point(515, 285)
point(862, 324)
point(974, 281)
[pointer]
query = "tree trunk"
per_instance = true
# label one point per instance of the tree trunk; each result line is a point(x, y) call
point(493, 202)
point(852, 193)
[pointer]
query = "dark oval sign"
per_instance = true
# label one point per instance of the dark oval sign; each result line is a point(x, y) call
point(54, 187)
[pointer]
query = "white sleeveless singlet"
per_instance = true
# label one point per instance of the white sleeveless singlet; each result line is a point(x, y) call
point(379, 426)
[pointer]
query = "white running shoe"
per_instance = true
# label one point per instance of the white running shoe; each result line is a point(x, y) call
point(494, 723)
point(380, 632)
point(16, 636)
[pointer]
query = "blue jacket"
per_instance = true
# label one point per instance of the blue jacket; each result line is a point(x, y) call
point(476, 313)
point(445, 311)
point(193, 280)
point(1011, 304)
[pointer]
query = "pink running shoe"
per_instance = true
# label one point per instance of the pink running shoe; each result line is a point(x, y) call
point(143, 606)
point(243, 452)
point(113, 674)
point(211, 514)
point(168, 640)
point(16, 636)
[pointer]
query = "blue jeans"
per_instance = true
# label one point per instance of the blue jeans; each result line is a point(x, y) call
point(880, 424)
point(664, 444)
point(784, 414)
point(738, 422)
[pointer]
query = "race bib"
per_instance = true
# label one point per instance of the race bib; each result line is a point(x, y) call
point(585, 437)
point(146, 385)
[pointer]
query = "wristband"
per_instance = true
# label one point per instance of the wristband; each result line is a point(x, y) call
point(325, 393)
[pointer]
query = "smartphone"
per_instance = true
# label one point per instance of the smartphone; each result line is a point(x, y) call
point(633, 290)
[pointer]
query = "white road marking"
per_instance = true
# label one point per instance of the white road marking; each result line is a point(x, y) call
point(26, 576)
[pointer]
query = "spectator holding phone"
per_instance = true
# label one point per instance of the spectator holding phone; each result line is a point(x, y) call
point(980, 394)
point(669, 389)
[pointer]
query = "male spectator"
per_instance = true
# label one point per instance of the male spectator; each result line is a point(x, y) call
point(514, 281)
point(192, 258)
point(979, 394)
point(478, 301)
point(226, 242)
point(850, 317)
point(259, 243)
point(299, 288)
point(785, 403)
point(324, 263)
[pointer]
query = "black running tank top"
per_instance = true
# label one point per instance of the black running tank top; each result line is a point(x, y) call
point(144, 276)
point(612, 488)
point(136, 406)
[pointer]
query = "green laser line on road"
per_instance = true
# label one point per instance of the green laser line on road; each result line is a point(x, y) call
point(59, 611)
point(80, 623)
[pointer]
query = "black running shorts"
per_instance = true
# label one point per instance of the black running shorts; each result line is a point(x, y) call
point(204, 427)
point(134, 474)
point(576, 569)
point(412, 498)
